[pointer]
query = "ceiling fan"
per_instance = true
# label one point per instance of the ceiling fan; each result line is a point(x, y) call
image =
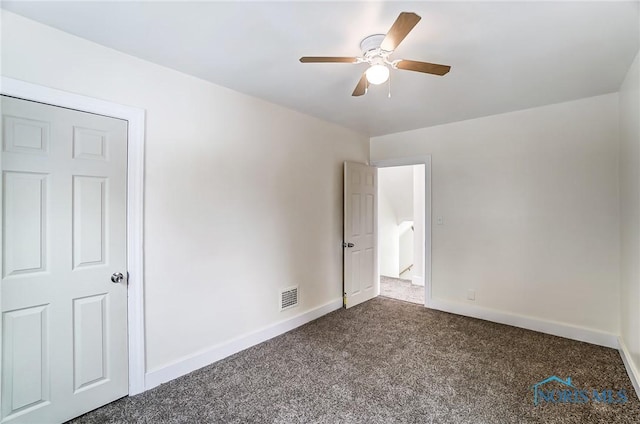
point(376, 50)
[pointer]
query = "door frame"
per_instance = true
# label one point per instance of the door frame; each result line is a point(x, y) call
point(135, 203)
point(426, 161)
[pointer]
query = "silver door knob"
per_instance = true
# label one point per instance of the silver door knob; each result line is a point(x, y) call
point(117, 277)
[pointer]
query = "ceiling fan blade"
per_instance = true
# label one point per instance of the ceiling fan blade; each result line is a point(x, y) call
point(321, 59)
point(400, 28)
point(427, 68)
point(361, 88)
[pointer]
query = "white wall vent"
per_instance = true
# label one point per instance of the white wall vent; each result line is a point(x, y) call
point(289, 298)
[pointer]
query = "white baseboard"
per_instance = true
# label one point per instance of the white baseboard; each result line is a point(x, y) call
point(568, 331)
point(210, 355)
point(634, 374)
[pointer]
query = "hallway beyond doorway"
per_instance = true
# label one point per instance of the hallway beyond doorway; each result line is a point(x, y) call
point(400, 289)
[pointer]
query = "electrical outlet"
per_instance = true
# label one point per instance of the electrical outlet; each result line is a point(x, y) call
point(471, 294)
point(440, 220)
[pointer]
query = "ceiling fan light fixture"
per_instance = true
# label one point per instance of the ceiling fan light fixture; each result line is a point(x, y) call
point(376, 50)
point(377, 74)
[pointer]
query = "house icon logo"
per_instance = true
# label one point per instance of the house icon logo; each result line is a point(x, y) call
point(571, 394)
point(536, 387)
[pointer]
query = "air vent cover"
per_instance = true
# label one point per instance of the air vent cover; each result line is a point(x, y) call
point(288, 298)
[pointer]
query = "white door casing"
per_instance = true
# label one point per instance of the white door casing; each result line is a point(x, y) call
point(64, 323)
point(360, 233)
point(135, 203)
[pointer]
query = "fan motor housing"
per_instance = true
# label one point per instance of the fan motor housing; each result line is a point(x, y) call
point(371, 44)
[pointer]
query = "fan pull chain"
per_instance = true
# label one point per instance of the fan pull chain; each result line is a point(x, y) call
point(389, 86)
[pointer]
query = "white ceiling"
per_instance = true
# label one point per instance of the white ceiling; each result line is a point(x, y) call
point(504, 56)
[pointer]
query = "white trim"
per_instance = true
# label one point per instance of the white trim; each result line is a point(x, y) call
point(135, 205)
point(634, 374)
point(555, 328)
point(426, 161)
point(215, 353)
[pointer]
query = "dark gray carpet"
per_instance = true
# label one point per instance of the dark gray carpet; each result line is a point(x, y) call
point(397, 288)
point(386, 361)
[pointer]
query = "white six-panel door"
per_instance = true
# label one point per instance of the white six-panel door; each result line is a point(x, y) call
point(360, 233)
point(64, 322)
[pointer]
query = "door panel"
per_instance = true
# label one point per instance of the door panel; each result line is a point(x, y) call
point(369, 214)
point(64, 338)
point(89, 341)
point(360, 229)
point(24, 222)
point(89, 204)
point(369, 269)
point(26, 371)
point(24, 135)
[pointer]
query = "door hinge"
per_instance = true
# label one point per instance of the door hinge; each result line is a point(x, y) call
point(127, 278)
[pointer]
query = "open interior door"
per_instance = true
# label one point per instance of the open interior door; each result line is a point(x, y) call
point(360, 233)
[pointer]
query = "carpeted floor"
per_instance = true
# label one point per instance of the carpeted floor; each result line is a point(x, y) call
point(400, 289)
point(387, 361)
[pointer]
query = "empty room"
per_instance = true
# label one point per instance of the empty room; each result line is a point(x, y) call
point(320, 212)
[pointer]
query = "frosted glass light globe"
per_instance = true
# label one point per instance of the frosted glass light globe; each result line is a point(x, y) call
point(377, 74)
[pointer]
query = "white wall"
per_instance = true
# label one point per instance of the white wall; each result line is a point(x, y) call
point(396, 182)
point(388, 248)
point(242, 197)
point(530, 207)
point(630, 214)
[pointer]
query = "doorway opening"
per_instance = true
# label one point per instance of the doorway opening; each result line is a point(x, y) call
point(401, 232)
